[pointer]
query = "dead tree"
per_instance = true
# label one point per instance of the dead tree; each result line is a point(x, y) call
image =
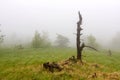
point(79, 44)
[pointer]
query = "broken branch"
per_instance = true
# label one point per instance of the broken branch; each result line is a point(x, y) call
point(91, 48)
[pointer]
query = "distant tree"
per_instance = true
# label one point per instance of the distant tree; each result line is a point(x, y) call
point(91, 41)
point(115, 42)
point(41, 41)
point(37, 40)
point(46, 41)
point(62, 41)
point(1, 37)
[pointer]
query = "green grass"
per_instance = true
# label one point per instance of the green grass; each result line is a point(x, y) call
point(26, 64)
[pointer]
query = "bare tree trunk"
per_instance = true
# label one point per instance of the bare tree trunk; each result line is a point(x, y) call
point(80, 45)
point(78, 42)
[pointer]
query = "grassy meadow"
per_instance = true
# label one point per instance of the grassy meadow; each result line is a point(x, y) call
point(26, 64)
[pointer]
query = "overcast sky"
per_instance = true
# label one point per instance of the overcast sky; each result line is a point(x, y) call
point(22, 17)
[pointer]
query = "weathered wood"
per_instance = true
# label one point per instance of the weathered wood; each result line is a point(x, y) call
point(91, 48)
point(78, 42)
point(52, 66)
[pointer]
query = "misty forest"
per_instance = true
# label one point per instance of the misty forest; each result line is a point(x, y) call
point(59, 40)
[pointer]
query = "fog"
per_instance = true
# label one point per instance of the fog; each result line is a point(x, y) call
point(19, 19)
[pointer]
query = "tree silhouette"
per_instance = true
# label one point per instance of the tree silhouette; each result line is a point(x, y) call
point(1, 37)
point(37, 40)
point(62, 41)
point(80, 45)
